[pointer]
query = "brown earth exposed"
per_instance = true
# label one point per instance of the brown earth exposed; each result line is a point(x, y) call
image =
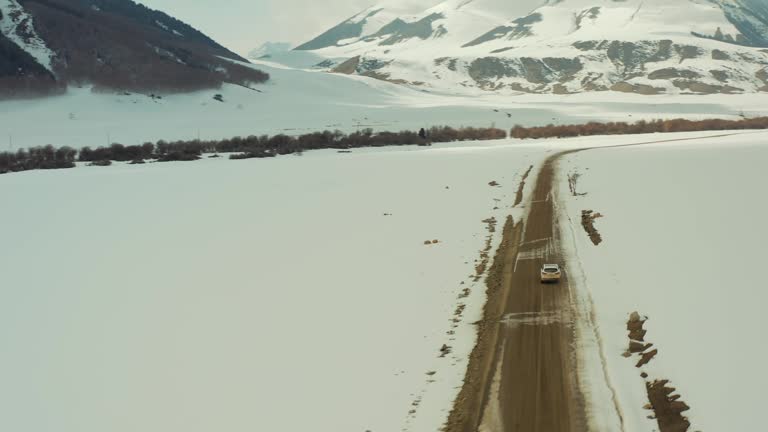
point(588, 222)
point(666, 406)
point(468, 405)
point(485, 256)
point(521, 187)
point(348, 67)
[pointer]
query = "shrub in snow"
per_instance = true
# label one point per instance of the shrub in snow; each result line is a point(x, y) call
point(47, 157)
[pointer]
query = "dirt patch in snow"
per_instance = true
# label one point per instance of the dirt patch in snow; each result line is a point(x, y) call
point(588, 222)
point(485, 256)
point(348, 67)
point(468, 405)
point(446, 350)
point(667, 406)
point(521, 187)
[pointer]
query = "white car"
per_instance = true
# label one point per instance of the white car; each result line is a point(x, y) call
point(550, 273)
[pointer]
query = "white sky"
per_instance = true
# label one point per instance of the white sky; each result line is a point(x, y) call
point(242, 25)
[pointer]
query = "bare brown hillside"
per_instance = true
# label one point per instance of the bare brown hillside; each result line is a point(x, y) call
point(117, 45)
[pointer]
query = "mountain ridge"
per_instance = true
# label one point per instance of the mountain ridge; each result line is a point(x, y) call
point(561, 46)
point(111, 45)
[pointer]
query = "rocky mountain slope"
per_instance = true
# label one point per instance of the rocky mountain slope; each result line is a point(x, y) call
point(46, 45)
point(559, 46)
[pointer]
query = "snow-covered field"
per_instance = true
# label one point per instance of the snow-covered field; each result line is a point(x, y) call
point(684, 239)
point(297, 293)
point(223, 295)
point(247, 295)
point(298, 101)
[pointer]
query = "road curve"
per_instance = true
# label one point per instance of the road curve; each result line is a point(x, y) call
point(522, 373)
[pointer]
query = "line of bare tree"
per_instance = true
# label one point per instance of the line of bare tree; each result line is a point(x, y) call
point(640, 127)
point(50, 157)
point(263, 146)
point(47, 157)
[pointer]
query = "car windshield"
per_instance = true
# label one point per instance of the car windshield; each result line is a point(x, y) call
point(551, 269)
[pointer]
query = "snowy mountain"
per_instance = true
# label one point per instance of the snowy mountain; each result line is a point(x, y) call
point(46, 45)
point(559, 46)
point(268, 49)
point(392, 23)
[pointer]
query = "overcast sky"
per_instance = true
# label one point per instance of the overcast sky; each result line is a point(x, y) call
point(242, 25)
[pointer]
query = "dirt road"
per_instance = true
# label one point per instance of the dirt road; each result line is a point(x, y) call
point(522, 373)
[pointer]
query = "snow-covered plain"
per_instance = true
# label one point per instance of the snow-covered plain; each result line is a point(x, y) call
point(684, 239)
point(301, 101)
point(247, 295)
point(235, 294)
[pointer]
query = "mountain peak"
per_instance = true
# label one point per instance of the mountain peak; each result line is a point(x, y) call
point(563, 46)
point(403, 20)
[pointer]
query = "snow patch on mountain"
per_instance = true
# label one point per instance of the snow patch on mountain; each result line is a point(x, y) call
point(17, 25)
point(364, 24)
point(168, 29)
point(449, 21)
point(575, 20)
